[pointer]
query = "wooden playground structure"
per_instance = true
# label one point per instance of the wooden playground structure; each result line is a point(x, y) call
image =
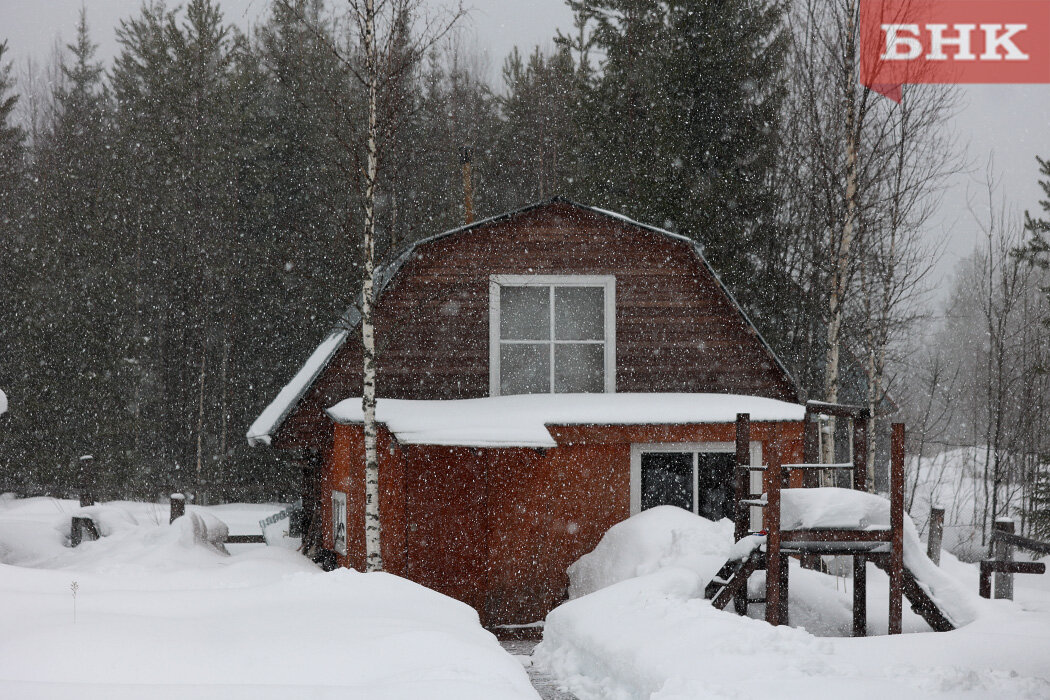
point(881, 546)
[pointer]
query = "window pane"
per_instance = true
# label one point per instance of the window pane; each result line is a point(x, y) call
point(667, 479)
point(579, 368)
point(579, 313)
point(524, 313)
point(525, 368)
point(715, 482)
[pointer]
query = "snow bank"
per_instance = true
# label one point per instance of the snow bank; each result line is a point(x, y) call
point(637, 625)
point(162, 614)
point(136, 537)
point(655, 637)
point(654, 539)
point(846, 508)
point(520, 421)
point(667, 537)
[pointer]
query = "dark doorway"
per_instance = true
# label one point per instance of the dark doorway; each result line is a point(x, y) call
point(667, 480)
point(700, 482)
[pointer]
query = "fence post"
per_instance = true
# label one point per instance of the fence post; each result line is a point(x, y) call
point(773, 475)
point(936, 535)
point(1004, 582)
point(86, 463)
point(178, 506)
point(896, 527)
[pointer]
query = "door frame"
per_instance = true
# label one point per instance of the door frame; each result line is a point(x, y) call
point(637, 448)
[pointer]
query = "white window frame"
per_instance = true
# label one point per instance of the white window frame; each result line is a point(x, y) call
point(638, 448)
point(606, 282)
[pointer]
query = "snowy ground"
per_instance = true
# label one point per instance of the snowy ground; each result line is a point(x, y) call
point(161, 612)
point(640, 628)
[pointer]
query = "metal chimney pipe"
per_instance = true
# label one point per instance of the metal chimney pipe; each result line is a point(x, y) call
point(465, 156)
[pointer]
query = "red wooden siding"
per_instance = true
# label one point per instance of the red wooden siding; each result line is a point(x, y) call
point(676, 331)
point(497, 528)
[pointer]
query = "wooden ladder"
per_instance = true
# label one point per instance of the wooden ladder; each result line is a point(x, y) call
point(921, 603)
point(732, 579)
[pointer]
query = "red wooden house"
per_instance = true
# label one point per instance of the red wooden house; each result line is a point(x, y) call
point(544, 374)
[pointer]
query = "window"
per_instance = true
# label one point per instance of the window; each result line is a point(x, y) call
point(552, 334)
point(695, 476)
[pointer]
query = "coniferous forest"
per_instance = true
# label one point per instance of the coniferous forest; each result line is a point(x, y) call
point(181, 225)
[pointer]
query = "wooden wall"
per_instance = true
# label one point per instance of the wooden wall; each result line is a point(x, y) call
point(497, 528)
point(675, 329)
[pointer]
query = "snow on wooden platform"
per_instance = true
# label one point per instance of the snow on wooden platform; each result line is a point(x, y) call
point(520, 421)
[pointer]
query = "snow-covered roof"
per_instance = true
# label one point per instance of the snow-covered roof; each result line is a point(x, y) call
point(521, 421)
point(274, 415)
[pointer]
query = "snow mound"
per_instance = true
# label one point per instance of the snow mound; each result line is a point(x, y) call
point(654, 539)
point(846, 508)
point(108, 519)
point(655, 637)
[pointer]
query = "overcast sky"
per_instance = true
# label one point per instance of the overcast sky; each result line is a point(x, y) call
point(1011, 121)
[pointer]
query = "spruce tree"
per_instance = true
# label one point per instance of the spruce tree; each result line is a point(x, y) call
point(681, 121)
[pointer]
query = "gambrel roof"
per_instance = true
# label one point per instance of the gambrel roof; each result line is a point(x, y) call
point(274, 415)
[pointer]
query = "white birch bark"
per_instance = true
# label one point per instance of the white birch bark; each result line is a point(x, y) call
point(841, 248)
point(373, 525)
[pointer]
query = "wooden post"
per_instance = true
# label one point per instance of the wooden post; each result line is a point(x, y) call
point(896, 527)
point(860, 454)
point(743, 475)
point(984, 584)
point(178, 506)
point(936, 535)
point(774, 593)
point(1004, 581)
point(784, 615)
point(76, 534)
point(742, 513)
point(86, 475)
point(860, 595)
point(465, 158)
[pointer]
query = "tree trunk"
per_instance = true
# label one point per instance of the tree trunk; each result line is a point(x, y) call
point(840, 271)
point(373, 530)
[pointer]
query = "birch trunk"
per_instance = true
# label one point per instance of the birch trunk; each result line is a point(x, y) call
point(373, 529)
point(840, 270)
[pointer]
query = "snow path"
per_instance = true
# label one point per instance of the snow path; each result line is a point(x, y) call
point(546, 685)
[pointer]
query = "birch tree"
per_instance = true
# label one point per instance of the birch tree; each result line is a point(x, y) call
point(382, 53)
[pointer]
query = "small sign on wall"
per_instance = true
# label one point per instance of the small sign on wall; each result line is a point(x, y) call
point(339, 521)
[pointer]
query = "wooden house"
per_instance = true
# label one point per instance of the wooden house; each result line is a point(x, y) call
point(543, 374)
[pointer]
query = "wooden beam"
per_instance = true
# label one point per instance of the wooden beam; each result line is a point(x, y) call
point(897, 528)
point(860, 454)
point(836, 409)
point(784, 615)
point(743, 475)
point(1022, 542)
point(811, 441)
point(773, 556)
point(830, 535)
point(860, 596)
point(742, 512)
